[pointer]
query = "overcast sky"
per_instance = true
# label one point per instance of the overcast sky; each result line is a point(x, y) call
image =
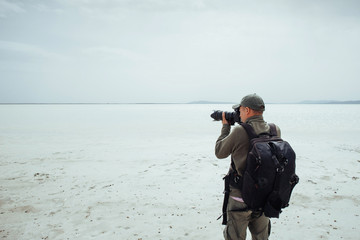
point(178, 50)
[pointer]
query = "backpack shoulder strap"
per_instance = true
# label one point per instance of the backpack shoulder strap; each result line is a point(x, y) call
point(249, 130)
point(273, 131)
point(251, 133)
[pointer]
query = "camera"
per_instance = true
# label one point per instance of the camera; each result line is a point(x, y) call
point(231, 117)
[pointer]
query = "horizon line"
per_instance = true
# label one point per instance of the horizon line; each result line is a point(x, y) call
point(192, 102)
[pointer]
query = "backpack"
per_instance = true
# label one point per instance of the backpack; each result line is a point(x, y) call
point(269, 177)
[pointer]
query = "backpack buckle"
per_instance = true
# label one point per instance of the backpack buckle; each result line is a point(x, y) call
point(280, 169)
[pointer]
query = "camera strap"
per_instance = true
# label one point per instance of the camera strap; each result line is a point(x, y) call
point(226, 199)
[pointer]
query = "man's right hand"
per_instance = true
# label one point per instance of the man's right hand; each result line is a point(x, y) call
point(224, 121)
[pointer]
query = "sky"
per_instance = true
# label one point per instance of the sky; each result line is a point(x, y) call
point(178, 51)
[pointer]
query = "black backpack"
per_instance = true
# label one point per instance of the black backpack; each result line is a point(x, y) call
point(269, 176)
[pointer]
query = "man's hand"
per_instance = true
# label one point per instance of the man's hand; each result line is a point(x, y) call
point(224, 119)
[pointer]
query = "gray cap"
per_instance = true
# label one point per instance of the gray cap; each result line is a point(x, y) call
point(252, 101)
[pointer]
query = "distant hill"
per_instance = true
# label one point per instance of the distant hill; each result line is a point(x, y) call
point(209, 102)
point(302, 102)
point(330, 102)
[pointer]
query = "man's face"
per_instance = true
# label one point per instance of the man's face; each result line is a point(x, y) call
point(243, 113)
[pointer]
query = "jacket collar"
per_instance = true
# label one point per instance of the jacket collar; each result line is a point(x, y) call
point(255, 118)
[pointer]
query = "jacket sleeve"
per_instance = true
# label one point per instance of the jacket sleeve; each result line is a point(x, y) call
point(225, 142)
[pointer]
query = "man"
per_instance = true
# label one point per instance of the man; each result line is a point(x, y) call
point(236, 144)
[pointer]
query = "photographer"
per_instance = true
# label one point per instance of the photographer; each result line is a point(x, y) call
point(236, 144)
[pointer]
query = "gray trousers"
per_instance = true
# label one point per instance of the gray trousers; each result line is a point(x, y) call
point(238, 221)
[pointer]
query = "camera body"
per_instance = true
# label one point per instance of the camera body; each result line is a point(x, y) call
point(231, 117)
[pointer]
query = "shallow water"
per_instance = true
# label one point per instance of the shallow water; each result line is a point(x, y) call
point(140, 122)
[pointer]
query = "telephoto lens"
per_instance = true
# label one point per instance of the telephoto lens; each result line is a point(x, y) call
point(231, 117)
